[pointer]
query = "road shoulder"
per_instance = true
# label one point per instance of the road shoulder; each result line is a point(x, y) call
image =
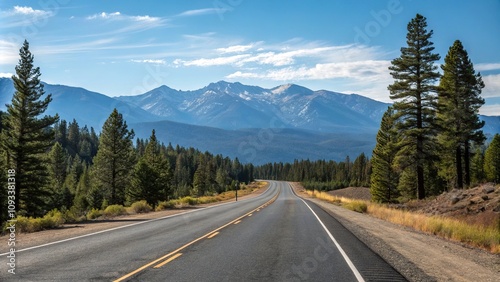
point(416, 255)
point(71, 230)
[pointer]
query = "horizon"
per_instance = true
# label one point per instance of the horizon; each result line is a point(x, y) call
point(125, 49)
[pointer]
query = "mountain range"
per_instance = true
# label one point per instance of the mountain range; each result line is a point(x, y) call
point(255, 124)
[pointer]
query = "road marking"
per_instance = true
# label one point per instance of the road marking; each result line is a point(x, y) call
point(344, 255)
point(130, 274)
point(213, 235)
point(237, 222)
point(250, 215)
point(168, 260)
point(129, 225)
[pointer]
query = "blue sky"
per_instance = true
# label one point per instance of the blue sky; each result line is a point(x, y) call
point(119, 47)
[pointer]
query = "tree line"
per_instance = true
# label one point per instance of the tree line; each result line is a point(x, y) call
point(61, 165)
point(321, 174)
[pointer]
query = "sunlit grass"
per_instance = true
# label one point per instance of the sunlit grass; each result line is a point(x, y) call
point(193, 201)
point(486, 237)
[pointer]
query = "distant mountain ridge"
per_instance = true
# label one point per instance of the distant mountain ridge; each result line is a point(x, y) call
point(235, 106)
point(255, 124)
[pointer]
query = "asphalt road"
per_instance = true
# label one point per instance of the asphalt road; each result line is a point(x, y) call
point(273, 237)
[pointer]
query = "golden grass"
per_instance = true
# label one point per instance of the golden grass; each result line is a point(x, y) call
point(486, 237)
point(193, 201)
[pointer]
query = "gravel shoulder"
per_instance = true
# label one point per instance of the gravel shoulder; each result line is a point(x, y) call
point(416, 255)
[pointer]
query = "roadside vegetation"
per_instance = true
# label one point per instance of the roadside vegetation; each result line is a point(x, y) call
point(478, 235)
point(56, 218)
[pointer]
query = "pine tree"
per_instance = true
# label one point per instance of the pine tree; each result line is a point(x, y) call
point(384, 178)
point(151, 176)
point(415, 74)
point(458, 107)
point(477, 166)
point(57, 164)
point(492, 160)
point(27, 136)
point(114, 160)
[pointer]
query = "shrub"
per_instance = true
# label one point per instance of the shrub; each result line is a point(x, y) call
point(357, 206)
point(141, 207)
point(52, 219)
point(94, 213)
point(74, 214)
point(114, 210)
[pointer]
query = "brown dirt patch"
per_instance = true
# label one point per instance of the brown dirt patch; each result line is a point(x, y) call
point(361, 193)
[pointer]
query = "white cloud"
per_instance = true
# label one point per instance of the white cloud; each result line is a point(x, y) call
point(235, 49)
point(487, 66)
point(9, 51)
point(490, 110)
point(6, 74)
point(105, 16)
point(199, 12)
point(120, 16)
point(219, 61)
point(491, 86)
point(149, 61)
point(29, 11)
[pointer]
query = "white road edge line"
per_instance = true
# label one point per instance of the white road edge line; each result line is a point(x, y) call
point(346, 258)
point(129, 225)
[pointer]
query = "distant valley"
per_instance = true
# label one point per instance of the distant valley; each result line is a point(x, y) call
point(255, 124)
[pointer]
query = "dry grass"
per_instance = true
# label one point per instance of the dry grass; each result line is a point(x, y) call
point(193, 201)
point(478, 235)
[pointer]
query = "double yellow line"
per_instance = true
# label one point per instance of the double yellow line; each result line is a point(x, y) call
point(175, 254)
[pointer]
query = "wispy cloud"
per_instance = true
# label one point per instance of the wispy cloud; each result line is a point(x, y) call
point(29, 11)
point(492, 86)
point(23, 16)
point(219, 61)
point(6, 74)
point(120, 16)
point(235, 48)
point(105, 16)
point(200, 12)
point(487, 67)
point(149, 61)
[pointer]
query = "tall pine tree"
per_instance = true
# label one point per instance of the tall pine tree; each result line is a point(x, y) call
point(27, 135)
point(458, 110)
point(114, 160)
point(415, 73)
point(384, 178)
point(151, 176)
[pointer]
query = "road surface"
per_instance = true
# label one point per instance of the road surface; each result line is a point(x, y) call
point(273, 237)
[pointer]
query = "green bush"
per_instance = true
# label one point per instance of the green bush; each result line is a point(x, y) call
point(114, 210)
point(52, 219)
point(74, 214)
point(141, 207)
point(167, 205)
point(94, 213)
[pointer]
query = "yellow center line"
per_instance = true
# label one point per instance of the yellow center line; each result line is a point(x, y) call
point(168, 260)
point(235, 221)
point(213, 235)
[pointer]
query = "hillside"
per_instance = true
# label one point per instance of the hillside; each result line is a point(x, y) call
point(261, 146)
point(235, 106)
